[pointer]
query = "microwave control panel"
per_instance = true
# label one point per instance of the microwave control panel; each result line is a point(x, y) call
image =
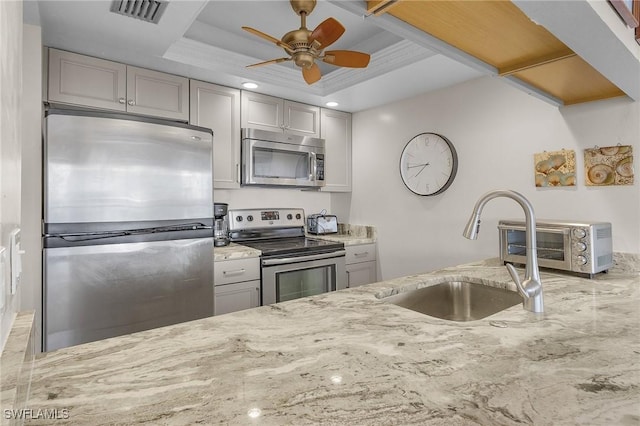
point(319, 166)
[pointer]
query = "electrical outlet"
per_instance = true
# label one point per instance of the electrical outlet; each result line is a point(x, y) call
point(15, 254)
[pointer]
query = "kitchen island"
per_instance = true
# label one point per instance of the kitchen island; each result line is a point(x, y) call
point(349, 358)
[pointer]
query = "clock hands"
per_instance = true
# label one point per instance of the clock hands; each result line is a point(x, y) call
point(418, 165)
point(428, 164)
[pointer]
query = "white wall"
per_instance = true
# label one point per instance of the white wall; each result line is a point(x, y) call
point(256, 197)
point(496, 129)
point(31, 296)
point(10, 145)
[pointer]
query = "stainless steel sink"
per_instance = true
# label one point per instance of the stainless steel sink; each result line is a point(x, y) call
point(457, 300)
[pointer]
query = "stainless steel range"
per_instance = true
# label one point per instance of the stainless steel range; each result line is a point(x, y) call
point(293, 265)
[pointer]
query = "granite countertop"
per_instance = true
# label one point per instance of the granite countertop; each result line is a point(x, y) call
point(348, 358)
point(234, 251)
point(351, 235)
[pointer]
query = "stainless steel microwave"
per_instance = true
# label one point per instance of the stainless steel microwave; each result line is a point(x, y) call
point(271, 158)
point(582, 247)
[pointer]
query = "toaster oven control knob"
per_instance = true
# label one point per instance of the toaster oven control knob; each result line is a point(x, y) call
point(582, 260)
point(289, 216)
point(579, 233)
point(239, 218)
point(580, 246)
point(250, 218)
point(298, 216)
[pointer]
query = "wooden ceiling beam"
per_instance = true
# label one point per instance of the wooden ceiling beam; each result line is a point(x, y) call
point(378, 7)
point(536, 62)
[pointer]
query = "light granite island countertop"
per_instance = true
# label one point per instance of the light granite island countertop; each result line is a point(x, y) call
point(348, 358)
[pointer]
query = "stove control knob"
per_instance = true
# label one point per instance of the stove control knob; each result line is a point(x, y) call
point(582, 260)
point(298, 216)
point(250, 218)
point(579, 233)
point(239, 218)
point(580, 246)
point(289, 216)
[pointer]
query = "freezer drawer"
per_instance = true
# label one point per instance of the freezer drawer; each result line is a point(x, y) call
point(96, 292)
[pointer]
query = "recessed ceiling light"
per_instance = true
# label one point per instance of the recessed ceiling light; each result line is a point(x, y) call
point(249, 85)
point(332, 104)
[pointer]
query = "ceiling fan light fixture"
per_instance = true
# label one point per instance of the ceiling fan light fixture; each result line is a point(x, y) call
point(249, 85)
point(304, 47)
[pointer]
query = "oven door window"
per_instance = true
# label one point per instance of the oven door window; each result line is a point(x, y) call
point(550, 245)
point(276, 163)
point(304, 282)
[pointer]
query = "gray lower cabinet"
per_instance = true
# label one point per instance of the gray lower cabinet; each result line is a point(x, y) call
point(361, 265)
point(237, 297)
point(236, 285)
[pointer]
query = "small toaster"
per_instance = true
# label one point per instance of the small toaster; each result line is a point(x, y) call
point(322, 224)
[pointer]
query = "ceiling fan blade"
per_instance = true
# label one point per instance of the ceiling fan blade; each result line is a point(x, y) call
point(327, 32)
point(267, 37)
point(273, 61)
point(346, 58)
point(311, 74)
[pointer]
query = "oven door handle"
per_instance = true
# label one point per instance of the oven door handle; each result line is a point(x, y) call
point(564, 231)
point(298, 259)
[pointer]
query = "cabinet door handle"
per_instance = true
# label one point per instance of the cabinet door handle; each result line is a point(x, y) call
point(122, 100)
point(236, 272)
point(131, 102)
point(238, 172)
point(361, 254)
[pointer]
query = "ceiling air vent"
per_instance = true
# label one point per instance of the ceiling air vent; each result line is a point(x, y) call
point(145, 10)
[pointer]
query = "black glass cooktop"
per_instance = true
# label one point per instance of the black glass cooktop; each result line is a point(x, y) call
point(292, 246)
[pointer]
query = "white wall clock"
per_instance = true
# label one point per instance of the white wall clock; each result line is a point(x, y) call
point(428, 164)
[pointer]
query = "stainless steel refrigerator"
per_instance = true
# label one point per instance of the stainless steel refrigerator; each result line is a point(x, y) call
point(127, 232)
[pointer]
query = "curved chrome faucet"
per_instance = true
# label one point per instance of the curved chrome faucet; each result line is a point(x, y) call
point(531, 287)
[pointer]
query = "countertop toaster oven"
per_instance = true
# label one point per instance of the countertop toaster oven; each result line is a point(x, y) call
point(582, 247)
point(322, 224)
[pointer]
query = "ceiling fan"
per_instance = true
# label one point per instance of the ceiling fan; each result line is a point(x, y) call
point(304, 46)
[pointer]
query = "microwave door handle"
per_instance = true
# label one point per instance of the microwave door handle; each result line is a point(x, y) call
point(313, 166)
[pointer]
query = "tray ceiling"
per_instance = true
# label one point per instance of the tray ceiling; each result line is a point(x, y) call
point(204, 40)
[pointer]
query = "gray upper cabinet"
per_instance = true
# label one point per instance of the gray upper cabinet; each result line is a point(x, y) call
point(335, 129)
point(218, 108)
point(159, 94)
point(279, 115)
point(83, 80)
point(98, 83)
